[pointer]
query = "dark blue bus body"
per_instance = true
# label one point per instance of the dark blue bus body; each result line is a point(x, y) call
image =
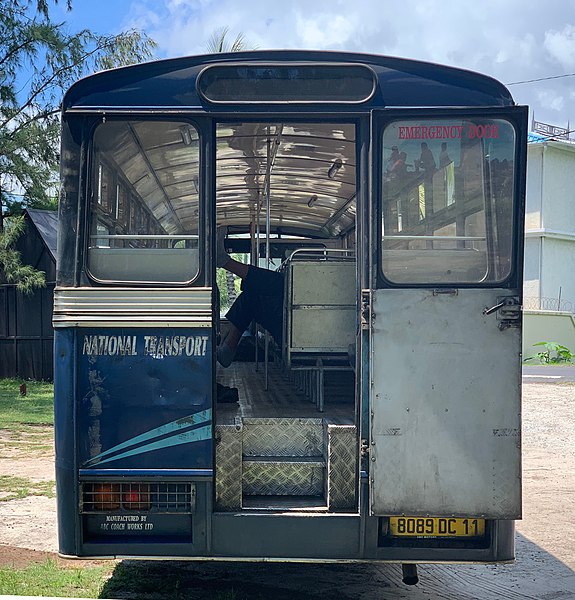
point(369, 432)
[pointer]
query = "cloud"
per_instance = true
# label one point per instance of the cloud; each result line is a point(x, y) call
point(511, 41)
point(551, 100)
point(324, 30)
point(561, 46)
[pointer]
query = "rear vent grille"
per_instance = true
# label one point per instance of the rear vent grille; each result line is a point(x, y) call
point(167, 498)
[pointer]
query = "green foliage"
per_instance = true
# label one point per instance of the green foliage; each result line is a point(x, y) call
point(39, 60)
point(219, 42)
point(553, 354)
point(36, 407)
point(223, 279)
point(26, 278)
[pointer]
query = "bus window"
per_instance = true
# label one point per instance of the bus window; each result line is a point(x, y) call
point(145, 202)
point(447, 201)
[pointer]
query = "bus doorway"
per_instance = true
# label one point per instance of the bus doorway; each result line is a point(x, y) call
point(291, 438)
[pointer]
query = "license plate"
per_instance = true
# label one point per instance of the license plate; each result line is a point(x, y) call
point(435, 527)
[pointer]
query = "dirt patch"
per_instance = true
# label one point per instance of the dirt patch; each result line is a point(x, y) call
point(29, 523)
point(21, 557)
point(28, 441)
point(36, 469)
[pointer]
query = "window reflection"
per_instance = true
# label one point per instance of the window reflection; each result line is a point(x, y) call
point(144, 213)
point(447, 201)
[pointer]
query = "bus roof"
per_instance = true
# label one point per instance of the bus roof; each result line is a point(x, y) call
point(312, 174)
point(399, 82)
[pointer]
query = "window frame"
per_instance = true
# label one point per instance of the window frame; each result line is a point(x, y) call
point(92, 183)
point(381, 119)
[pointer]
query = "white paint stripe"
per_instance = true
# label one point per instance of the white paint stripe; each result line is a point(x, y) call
point(545, 376)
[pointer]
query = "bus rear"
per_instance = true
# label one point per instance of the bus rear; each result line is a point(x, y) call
point(377, 416)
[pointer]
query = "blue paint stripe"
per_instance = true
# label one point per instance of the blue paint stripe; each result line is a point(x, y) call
point(173, 427)
point(195, 435)
point(146, 472)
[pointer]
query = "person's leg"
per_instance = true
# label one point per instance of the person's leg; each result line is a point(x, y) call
point(263, 282)
point(261, 300)
point(240, 314)
point(237, 268)
point(240, 320)
point(262, 294)
point(226, 351)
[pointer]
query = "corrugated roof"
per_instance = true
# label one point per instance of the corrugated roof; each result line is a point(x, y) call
point(46, 222)
point(535, 138)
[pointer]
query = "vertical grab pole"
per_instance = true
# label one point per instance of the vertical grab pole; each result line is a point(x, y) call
point(255, 255)
point(268, 220)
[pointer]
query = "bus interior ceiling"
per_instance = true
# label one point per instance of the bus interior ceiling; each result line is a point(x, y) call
point(298, 180)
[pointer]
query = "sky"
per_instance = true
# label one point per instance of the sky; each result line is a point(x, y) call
point(511, 40)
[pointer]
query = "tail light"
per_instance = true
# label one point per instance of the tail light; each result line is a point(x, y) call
point(106, 496)
point(137, 497)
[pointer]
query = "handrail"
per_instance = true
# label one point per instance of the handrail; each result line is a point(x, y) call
point(307, 253)
point(131, 236)
point(435, 238)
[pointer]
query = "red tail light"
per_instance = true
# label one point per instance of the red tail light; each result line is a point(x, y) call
point(136, 497)
point(106, 496)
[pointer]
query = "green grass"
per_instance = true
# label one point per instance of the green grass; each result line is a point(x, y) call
point(128, 579)
point(13, 488)
point(35, 408)
point(50, 579)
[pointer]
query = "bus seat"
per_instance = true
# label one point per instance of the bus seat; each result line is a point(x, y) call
point(320, 318)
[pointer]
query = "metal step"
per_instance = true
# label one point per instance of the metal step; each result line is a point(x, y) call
point(284, 503)
point(287, 458)
point(283, 476)
point(282, 437)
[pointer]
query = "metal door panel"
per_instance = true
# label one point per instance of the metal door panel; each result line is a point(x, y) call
point(445, 415)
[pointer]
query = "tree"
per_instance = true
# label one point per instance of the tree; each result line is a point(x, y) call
point(25, 277)
point(218, 42)
point(39, 60)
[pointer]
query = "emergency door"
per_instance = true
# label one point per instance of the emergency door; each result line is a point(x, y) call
point(445, 326)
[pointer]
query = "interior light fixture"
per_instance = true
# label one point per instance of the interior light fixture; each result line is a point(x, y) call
point(186, 133)
point(337, 165)
point(312, 201)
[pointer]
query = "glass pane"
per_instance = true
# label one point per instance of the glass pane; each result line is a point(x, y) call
point(144, 213)
point(447, 210)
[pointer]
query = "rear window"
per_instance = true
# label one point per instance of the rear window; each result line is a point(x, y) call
point(144, 213)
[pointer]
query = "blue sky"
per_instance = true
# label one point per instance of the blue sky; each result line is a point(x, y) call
point(511, 40)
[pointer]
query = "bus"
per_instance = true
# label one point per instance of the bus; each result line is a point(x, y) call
point(383, 422)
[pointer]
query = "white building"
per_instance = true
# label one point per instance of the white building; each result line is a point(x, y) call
point(549, 284)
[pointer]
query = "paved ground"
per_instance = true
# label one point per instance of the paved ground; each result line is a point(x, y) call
point(549, 373)
point(544, 570)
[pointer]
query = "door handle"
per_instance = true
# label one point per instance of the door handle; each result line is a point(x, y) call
point(488, 311)
point(508, 312)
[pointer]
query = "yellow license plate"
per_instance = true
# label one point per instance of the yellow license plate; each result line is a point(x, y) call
point(435, 527)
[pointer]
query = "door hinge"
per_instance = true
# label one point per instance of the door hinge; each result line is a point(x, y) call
point(366, 314)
